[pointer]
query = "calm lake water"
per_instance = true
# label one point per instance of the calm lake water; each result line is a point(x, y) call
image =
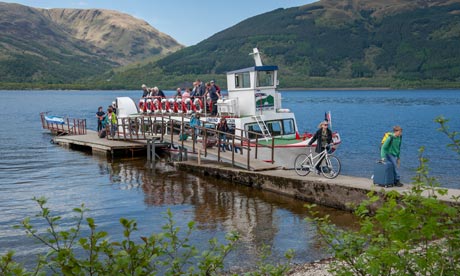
point(31, 166)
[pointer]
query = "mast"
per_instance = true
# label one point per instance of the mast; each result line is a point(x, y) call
point(256, 56)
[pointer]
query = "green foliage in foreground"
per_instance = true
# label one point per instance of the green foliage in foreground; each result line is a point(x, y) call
point(410, 234)
point(167, 253)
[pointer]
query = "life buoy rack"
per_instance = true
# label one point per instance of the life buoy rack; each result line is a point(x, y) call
point(164, 105)
point(172, 106)
point(156, 105)
point(142, 105)
point(188, 105)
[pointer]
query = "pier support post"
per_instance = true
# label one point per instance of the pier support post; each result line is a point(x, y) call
point(183, 154)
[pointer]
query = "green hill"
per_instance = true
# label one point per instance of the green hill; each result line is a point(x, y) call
point(57, 47)
point(361, 43)
point(327, 44)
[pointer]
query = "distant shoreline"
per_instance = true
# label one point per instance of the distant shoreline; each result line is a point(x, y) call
point(340, 89)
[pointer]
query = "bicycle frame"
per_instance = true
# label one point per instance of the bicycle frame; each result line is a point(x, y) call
point(318, 157)
point(329, 165)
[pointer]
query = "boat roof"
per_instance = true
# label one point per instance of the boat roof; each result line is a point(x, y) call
point(255, 68)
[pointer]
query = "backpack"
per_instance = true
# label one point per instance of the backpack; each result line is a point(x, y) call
point(385, 137)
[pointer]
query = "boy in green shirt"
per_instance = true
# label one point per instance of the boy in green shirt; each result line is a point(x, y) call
point(391, 150)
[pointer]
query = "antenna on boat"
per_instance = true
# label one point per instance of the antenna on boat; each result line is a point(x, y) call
point(257, 59)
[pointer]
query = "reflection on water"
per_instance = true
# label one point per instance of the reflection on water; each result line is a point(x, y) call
point(31, 166)
point(218, 207)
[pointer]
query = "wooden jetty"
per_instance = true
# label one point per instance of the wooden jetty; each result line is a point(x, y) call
point(156, 133)
point(91, 142)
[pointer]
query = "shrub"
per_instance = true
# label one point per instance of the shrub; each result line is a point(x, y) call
point(410, 234)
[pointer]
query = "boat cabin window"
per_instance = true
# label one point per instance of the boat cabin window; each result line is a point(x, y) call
point(242, 80)
point(275, 127)
point(265, 78)
point(288, 126)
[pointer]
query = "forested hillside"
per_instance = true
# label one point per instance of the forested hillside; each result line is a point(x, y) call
point(327, 44)
point(397, 43)
point(53, 48)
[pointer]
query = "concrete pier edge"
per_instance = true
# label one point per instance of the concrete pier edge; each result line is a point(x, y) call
point(343, 193)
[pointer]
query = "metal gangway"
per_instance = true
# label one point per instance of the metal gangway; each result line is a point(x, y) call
point(237, 149)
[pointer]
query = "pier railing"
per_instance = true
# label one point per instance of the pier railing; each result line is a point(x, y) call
point(68, 126)
point(203, 137)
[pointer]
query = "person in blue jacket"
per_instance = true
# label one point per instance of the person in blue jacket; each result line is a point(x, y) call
point(195, 123)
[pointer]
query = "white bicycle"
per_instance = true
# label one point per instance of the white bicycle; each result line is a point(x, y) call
point(330, 165)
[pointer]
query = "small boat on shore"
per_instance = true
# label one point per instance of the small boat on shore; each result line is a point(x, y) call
point(253, 105)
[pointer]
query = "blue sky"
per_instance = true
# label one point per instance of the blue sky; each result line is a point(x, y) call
point(188, 21)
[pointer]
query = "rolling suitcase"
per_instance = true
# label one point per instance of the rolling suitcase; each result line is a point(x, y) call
point(384, 174)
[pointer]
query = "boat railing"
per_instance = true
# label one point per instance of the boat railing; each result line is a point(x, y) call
point(175, 104)
point(177, 131)
point(68, 126)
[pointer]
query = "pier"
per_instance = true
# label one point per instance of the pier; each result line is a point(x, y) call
point(343, 192)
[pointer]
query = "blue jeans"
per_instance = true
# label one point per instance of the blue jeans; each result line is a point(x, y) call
point(223, 141)
point(394, 161)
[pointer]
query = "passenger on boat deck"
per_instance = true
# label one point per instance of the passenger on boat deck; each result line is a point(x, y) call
point(211, 92)
point(145, 91)
point(178, 94)
point(186, 94)
point(216, 86)
point(114, 107)
point(199, 90)
point(158, 92)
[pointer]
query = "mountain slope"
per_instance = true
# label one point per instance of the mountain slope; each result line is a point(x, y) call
point(352, 40)
point(64, 46)
point(123, 38)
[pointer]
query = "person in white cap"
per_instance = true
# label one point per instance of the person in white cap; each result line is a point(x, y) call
point(114, 107)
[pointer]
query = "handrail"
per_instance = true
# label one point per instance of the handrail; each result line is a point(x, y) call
point(146, 126)
point(69, 126)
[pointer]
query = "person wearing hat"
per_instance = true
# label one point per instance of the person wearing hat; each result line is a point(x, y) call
point(145, 90)
point(114, 107)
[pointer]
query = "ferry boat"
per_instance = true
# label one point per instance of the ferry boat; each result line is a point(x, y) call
point(253, 104)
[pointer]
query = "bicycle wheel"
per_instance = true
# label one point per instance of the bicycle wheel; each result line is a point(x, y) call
point(331, 168)
point(302, 164)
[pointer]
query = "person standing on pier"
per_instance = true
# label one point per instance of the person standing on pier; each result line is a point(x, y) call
point(222, 126)
point(111, 120)
point(391, 149)
point(323, 138)
point(100, 117)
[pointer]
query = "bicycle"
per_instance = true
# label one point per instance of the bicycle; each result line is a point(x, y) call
point(330, 167)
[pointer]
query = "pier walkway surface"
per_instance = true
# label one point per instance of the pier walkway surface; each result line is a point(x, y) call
point(343, 192)
point(92, 142)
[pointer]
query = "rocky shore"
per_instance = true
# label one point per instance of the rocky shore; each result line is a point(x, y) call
point(318, 268)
